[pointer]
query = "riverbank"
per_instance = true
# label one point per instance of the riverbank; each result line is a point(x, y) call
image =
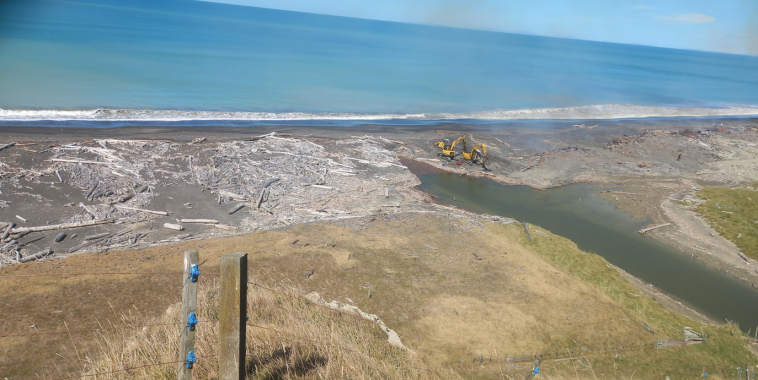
point(649, 166)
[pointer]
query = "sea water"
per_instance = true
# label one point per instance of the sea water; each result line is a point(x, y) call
point(101, 61)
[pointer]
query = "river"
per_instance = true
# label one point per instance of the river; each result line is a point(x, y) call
point(596, 225)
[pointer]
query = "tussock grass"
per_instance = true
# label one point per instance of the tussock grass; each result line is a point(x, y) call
point(725, 347)
point(733, 213)
point(287, 337)
point(447, 305)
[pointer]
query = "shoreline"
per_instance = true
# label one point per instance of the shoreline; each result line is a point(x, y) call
point(600, 112)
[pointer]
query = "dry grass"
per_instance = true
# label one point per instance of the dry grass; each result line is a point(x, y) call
point(443, 302)
point(287, 337)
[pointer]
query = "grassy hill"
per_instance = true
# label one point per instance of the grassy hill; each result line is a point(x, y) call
point(463, 293)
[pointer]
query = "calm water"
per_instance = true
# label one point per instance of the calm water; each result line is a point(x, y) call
point(133, 58)
point(596, 226)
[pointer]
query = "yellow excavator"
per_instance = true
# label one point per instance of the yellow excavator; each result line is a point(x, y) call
point(477, 153)
point(448, 148)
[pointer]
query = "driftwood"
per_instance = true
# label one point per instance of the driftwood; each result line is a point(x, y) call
point(386, 192)
point(98, 241)
point(204, 221)
point(236, 208)
point(98, 236)
point(125, 198)
point(742, 255)
point(224, 227)
point(170, 226)
point(21, 218)
point(60, 237)
point(36, 256)
point(10, 244)
point(647, 328)
point(527, 232)
point(60, 226)
point(269, 182)
point(322, 187)
point(87, 209)
point(92, 190)
point(264, 191)
point(260, 198)
point(642, 231)
point(8, 231)
point(164, 213)
point(7, 146)
point(233, 196)
point(83, 161)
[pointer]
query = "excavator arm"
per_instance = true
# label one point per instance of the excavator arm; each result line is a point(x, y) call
point(462, 138)
point(479, 152)
point(448, 148)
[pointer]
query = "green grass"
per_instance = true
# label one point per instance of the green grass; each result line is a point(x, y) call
point(726, 346)
point(733, 213)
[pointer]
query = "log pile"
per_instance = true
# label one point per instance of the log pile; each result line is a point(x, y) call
point(264, 182)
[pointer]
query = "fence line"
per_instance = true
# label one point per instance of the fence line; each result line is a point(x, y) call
point(339, 347)
point(105, 273)
point(101, 329)
point(120, 370)
point(188, 273)
point(541, 354)
point(307, 369)
point(556, 355)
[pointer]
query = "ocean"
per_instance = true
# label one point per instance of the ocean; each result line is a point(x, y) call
point(181, 62)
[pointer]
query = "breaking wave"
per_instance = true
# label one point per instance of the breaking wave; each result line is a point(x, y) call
point(608, 111)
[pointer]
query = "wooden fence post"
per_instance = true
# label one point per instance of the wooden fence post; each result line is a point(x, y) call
point(232, 316)
point(189, 305)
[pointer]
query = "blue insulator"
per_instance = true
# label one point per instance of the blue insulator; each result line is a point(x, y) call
point(191, 322)
point(191, 359)
point(194, 272)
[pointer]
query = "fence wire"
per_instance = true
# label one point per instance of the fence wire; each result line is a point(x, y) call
point(300, 337)
point(120, 370)
point(101, 329)
point(104, 273)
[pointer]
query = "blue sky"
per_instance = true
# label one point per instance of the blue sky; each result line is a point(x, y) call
point(729, 26)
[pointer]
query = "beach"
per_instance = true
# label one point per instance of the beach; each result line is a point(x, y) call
point(184, 174)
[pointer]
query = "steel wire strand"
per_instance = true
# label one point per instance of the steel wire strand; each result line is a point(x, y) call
point(338, 346)
point(103, 329)
point(121, 370)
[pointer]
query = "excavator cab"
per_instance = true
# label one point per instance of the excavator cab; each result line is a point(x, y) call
point(477, 154)
point(448, 148)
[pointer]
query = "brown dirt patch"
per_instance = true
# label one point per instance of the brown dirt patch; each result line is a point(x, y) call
point(420, 168)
